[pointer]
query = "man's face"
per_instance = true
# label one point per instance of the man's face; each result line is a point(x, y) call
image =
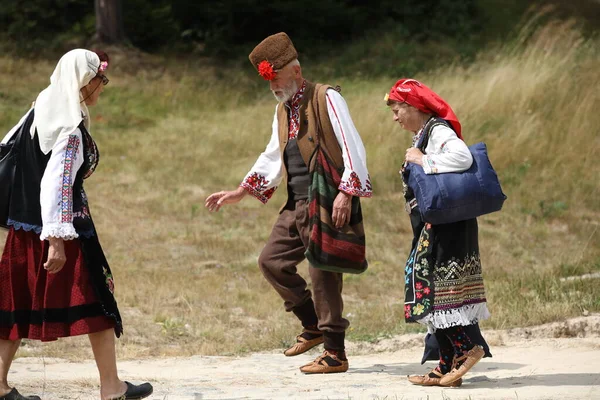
point(284, 85)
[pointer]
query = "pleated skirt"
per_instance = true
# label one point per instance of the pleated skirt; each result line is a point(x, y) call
point(35, 304)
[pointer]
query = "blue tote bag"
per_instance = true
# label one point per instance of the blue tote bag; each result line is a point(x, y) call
point(457, 196)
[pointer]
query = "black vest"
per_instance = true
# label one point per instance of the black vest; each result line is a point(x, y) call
point(298, 177)
point(25, 208)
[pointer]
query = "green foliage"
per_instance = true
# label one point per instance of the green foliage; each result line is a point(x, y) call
point(150, 23)
point(318, 24)
point(352, 38)
point(36, 25)
point(232, 27)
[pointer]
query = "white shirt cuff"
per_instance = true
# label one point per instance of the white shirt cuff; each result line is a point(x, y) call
point(59, 230)
point(429, 165)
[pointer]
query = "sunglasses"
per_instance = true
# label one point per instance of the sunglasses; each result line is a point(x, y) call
point(105, 80)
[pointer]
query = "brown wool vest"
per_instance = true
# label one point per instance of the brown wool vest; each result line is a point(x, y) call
point(315, 127)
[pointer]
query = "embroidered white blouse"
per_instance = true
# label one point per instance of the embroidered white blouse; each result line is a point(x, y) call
point(56, 195)
point(445, 152)
point(266, 174)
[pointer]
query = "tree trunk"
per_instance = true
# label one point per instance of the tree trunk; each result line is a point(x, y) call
point(109, 21)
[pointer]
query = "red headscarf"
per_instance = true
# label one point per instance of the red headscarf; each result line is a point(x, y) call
point(426, 100)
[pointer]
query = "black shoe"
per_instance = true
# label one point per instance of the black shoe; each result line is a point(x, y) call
point(134, 392)
point(14, 395)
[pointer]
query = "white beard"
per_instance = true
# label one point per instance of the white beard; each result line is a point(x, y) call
point(288, 92)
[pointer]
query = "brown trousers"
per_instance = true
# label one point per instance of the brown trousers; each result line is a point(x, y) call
point(278, 262)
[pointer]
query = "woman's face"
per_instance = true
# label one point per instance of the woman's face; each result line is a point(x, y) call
point(407, 116)
point(91, 92)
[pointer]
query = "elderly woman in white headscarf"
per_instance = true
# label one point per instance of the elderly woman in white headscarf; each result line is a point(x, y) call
point(54, 279)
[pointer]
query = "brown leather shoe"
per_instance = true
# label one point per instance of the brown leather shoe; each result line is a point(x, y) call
point(303, 345)
point(326, 363)
point(468, 360)
point(426, 380)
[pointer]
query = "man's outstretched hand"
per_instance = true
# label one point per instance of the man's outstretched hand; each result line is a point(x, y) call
point(215, 201)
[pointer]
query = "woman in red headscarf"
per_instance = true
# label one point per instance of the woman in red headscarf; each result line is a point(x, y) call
point(444, 285)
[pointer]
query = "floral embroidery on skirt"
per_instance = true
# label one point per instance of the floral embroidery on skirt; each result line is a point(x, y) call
point(443, 276)
point(419, 278)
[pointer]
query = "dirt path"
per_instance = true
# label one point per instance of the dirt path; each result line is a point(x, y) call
point(534, 363)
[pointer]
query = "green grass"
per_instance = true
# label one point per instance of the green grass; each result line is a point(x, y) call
point(187, 281)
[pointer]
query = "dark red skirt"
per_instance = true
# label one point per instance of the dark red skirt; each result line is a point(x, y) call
point(35, 304)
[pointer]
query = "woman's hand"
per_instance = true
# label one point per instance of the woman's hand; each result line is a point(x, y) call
point(216, 200)
point(56, 256)
point(342, 207)
point(414, 155)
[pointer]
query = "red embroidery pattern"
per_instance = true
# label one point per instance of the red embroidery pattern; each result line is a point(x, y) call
point(66, 203)
point(256, 185)
point(354, 186)
point(294, 106)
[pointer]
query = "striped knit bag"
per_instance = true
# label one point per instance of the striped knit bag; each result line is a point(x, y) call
point(331, 249)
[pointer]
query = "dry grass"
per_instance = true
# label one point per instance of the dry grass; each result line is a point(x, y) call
point(187, 280)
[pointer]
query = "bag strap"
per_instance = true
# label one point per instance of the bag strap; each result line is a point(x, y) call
point(429, 125)
point(424, 139)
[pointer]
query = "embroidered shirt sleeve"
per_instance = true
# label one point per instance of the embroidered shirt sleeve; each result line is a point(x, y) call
point(266, 174)
point(56, 195)
point(446, 152)
point(355, 180)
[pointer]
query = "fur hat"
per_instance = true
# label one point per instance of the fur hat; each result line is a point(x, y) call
point(273, 53)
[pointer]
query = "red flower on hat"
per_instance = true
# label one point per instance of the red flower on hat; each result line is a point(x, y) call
point(265, 69)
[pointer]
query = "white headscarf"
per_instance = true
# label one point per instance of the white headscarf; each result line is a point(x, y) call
point(59, 108)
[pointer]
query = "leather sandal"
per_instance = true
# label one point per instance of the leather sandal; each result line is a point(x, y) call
point(469, 359)
point(302, 344)
point(426, 380)
point(15, 395)
point(135, 392)
point(326, 363)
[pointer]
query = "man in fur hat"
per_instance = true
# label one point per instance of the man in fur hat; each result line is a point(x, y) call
point(298, 130)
